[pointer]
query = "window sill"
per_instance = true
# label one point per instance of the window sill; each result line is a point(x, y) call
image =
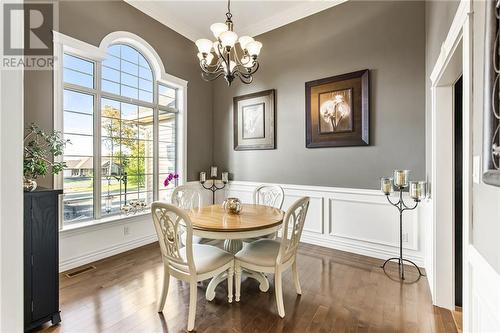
point(107, 222)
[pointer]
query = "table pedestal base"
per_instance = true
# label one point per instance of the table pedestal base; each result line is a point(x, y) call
point(233, 246)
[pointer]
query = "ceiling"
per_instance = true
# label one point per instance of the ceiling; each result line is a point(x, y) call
point(192, 19)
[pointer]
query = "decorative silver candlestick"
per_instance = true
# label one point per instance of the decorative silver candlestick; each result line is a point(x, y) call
point(417, 191)
point(213, 177)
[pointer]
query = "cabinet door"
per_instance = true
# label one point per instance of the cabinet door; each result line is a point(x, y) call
point(44, 234)
point(27, 260)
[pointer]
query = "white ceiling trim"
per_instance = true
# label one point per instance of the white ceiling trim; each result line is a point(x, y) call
point(288, 16)
point(281, 18)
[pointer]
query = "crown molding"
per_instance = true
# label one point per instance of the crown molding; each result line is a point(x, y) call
point(284, 17)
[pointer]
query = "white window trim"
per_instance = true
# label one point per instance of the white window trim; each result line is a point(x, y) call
point(64, 43)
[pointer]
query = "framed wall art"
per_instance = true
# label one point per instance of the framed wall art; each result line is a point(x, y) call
point(491, 112)
point(337, 111)
point(254, 121)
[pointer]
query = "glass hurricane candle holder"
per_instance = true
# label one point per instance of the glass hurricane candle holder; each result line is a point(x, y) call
point(401, 178)
point(418, 190)
point(386, 185)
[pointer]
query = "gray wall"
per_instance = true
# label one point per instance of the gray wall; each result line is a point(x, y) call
point(90, 22)
point(386, 37)
point(438, 18)
point(486, 198)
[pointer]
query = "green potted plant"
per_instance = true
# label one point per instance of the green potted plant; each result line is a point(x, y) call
point(39, 150)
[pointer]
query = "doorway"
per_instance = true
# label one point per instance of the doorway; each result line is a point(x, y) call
point(458, 206)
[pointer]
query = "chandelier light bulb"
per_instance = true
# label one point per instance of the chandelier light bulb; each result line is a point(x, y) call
point(218, 28)
point(228, 38)
point(204, 45)
point(253, 48)
point(244, 40)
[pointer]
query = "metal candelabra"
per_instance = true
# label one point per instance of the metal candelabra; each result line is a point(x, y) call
point(417, 191)
point(214, 188)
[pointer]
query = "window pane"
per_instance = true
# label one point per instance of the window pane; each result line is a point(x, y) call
point(167, 91)
point(77, 167)
point(146, 73)
point(110, 108)
point(145, 96)
point(110, 127)
point(111, 62)
point(78, 209)
point(143, 62)
point(75, 101)
point(129, 68)
point(78, 123)
point(166, 134)
point(110, 74)
point(79, 145)
point(146, 131)
point(165, 194)
point(78, 64)
point(130, 80)
point(114, 50)
point(130, 92)
point(167, 150)
point(166, 165)
point(84, 80)
point(129, 111)
point(146, 85)
point(146, 148)
point(111, 204)
point(146, 197)
point(130, 54)
point(111, 87)
point(110, 147)
point(129, 130)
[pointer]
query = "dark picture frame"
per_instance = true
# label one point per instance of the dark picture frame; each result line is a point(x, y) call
point(254, 121)
point(337, 111)
point(491, 110)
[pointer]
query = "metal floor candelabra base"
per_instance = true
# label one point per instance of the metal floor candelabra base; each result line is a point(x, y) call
point(402, 268)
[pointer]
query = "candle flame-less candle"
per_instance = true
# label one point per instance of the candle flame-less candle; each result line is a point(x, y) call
point(225, 177)
point(401, 178)
point(213, 172)
point(386, 185)
point(418, 190)
point(203, 177)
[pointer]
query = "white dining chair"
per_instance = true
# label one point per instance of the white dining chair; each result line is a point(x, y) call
point(275, 256)
point(191, 263)
point(188, 198)
point(267, 195)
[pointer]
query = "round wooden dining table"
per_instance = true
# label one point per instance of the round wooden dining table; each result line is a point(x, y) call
point(253, 221)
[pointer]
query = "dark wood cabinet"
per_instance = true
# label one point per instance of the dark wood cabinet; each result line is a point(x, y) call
point(41, 257)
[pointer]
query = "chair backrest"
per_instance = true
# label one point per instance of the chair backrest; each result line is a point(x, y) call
point(171, 223)
point(269, 195)
point(186, 197)
point(293, 223)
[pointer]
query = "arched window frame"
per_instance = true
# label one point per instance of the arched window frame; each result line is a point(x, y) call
point(64, 44)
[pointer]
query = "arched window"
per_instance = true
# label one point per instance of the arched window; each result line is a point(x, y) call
point(122, 123)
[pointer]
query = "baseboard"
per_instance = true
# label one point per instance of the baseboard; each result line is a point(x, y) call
point(86, 258)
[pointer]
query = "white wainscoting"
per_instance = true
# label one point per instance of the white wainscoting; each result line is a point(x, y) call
point(484, 294)
point(354, 220)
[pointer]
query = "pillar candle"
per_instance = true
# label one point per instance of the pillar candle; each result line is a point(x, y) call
point(225, 177)
point(203, 177)
point(213, 172)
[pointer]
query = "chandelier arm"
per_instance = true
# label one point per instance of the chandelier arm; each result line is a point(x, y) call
point(247, 79)
point(207, 69)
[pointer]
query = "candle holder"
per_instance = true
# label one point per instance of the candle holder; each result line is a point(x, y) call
point(417, 192)
point(213, 185)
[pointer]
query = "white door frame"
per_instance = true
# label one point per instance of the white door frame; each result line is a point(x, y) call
point(455, 59)
point(11, 191)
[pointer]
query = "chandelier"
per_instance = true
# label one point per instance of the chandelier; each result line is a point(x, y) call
point(228, 56)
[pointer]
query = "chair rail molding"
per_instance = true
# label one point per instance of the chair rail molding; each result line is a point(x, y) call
point(349, 219)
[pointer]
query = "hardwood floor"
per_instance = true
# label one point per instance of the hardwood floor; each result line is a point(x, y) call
point(341, 292)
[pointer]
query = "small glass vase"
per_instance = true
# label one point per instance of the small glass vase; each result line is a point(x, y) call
point(29, 185)
point(232, 205)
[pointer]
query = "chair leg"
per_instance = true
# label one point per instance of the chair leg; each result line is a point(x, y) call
point(296, 277)
point(230, 275)
point(164, 290)
point(279, 293)
point(237, 269)
point(193, 296)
